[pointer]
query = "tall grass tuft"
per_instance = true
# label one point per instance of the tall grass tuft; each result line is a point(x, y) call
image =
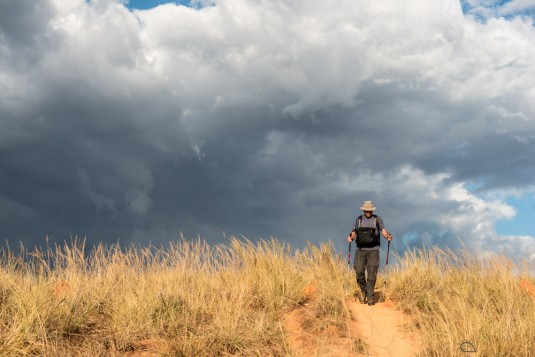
point(193, 299)
point(455, 297)
point(187, 299)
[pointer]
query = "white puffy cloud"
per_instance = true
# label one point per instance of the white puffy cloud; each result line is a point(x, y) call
point(435, 205)
point(268, 117)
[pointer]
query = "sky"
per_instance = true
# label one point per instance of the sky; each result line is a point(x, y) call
point(140, 121)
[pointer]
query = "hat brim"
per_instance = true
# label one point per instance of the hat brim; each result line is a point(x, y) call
point(371, 209)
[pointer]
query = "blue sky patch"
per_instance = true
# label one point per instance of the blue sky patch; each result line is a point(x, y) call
point(149, 4)
point(524, 221)
point(484, 10)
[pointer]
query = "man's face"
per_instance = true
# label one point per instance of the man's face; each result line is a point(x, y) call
point(368, 213)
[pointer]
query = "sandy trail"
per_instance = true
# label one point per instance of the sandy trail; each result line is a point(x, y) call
point(384, 329)
point(380, 330)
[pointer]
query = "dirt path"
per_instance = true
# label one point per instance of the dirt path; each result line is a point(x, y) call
point(380, 330)
point(384, 329)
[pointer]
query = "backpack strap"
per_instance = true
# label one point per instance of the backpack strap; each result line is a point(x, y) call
point(359, 222)
point(375, 222)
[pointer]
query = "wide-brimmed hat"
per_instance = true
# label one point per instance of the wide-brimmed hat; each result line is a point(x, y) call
point(368, 206)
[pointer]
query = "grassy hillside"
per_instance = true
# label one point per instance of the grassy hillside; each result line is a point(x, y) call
point(455, 298)
point(191, 299)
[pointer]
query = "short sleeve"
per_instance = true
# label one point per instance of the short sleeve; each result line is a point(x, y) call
point(380, 223)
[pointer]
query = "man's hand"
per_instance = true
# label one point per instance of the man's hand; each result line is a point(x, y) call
point(387, 235)
point(351, 237)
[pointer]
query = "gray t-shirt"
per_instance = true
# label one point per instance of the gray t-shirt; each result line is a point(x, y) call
point(370, 223)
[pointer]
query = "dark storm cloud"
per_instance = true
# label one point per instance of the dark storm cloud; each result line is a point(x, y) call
point(24, 33)
point(261, 119)
point(22, 22)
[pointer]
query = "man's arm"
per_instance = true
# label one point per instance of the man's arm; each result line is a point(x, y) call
point(353, 233)
point(387, 235)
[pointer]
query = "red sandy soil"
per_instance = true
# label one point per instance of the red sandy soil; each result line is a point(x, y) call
point(527, 286)
point(385, 329)
point(378, 330)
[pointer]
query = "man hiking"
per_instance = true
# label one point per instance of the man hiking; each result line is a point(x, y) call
point(366, 230)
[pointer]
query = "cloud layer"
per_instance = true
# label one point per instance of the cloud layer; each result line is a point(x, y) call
point(264, 118)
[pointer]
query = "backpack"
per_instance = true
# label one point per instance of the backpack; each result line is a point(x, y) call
point(367, 236)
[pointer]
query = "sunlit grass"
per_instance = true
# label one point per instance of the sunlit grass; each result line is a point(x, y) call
point(188, 299)
point(193, 299)
point(455, 297)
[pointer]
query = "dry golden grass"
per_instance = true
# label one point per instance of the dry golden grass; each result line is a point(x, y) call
point(189, 299)
point(456, 297)
point(193, 299)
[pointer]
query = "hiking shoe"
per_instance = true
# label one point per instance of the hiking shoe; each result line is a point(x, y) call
point(371, 301)
point(363, 298)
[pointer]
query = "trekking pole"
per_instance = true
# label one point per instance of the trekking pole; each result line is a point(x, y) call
point(348, 263)
point(349, 257)
point(387, 252)
point(383, 296)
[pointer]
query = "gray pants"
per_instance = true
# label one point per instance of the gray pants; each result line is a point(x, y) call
point(367, 260)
